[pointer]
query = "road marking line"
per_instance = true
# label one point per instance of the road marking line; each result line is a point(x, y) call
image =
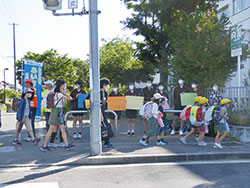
point(31, 185)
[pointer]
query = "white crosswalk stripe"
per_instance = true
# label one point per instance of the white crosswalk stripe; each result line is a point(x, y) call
point(31, 185)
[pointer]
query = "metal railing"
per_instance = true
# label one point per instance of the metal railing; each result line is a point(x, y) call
point(85, 111)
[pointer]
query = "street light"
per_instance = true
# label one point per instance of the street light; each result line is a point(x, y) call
point(4, 83)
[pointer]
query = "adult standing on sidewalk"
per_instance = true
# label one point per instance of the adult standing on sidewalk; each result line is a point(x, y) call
point(147, 92)
point(33, 107)
point(48, 89)
point(178, 90)
point(215, 97)
point(195, 89)
point(74, 106)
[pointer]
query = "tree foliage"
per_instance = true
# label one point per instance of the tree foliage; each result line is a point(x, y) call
point(201, 44)
point(119, 63)
point(9, 93)
point(57, 66)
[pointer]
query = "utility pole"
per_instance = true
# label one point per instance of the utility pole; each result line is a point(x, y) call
point(95, 129)
point(14, 48)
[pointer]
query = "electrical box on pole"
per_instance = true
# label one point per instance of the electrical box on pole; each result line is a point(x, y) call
point(72, 4)
point(52, 4)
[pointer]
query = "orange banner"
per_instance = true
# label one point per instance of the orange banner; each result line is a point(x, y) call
point(117, 103)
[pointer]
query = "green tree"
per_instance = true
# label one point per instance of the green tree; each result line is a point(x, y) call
point(57, 66)
point(151, 19)
point(201, 46)
point(10, 93)
point(119, 63)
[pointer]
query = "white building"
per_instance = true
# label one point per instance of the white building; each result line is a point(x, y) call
point(238, 12)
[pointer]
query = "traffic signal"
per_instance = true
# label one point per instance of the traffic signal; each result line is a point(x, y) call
point(52, 4)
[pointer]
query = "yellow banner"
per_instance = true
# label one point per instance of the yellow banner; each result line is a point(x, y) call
point(134, 102)
point(188, 98)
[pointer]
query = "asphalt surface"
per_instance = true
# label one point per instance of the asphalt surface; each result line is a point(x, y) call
point(126, 149)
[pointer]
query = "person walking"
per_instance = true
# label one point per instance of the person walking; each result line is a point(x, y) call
point(74, 106)
point(131, 114)
point(1, 105)
point(147, 92)
point(178, 90)
point(56, 119)
point(33, 107)
point(22, 117)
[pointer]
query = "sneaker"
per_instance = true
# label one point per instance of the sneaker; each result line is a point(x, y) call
point(79, 136)
point(75, 136)
point(181, 132)
point(69, 146)
point(16, 143)
point(143, 142)
point(218, 145)
point(183, 140)
point(197, 139)
point(36, 141)
point(202, 143)
point(107, 145)
point(28, 139)
point(45, 148)
point(172, 132)
point(160, 143)
point(1, 144)
point(128, 133)
point(132, 134)
point(54, 145)
point(61, 144)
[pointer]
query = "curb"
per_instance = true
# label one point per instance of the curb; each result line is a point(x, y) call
point(164, 158)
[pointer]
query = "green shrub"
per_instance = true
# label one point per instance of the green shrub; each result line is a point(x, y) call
point(239, 118)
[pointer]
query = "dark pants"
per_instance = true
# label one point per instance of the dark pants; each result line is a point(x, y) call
point(32, 118)
point(47, 115)
point(106, 122)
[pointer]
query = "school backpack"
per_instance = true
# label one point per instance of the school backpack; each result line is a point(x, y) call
point(193, 116)
point(216, 114)
point(185, 114)
point(50, 100)
point(146, 110)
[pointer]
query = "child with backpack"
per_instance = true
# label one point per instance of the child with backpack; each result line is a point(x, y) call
point(160, 120)
point(23, 113)
point(56, 119)
point(152, 128)
point(221, 126)
point(196, 119)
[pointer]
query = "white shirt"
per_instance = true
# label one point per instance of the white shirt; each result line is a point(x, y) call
point(60, 104)
point(155, 110)
point(44, 101)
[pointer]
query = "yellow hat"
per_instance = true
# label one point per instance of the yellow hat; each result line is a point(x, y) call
point(203, 100)
point(225, 101)
point(197, 99)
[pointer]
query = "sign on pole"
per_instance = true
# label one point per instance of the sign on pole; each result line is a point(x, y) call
point(236, 42)
point(33, 70)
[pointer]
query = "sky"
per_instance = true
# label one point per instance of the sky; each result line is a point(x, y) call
point(38, 30)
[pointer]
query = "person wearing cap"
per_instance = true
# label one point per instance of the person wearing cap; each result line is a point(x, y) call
point(74, 106)
point(48, 89)
point(115, 93)
point(178, 90)
point(22, 116)
point(33, 107)
point(222, 127)
point(147, 92)
point(195, 89)
point(152, 128)
point(199, 117)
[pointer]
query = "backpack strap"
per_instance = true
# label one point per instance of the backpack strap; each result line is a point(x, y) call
point(58, 100)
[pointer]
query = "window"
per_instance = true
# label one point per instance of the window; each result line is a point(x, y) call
point(239, 5)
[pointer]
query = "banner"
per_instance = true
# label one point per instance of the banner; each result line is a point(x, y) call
point(134, 102)
point(33, 70)
point(117, 103)
point(188, 98)
point(80, 100)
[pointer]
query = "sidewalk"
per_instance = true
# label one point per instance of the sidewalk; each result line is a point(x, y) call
point(126, 149)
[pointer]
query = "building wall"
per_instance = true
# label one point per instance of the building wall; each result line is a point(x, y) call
point(238, 16)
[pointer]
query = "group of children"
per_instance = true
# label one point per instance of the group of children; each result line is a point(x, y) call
point(196, 114)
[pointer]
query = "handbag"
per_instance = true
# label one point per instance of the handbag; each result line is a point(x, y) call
point(106, 131)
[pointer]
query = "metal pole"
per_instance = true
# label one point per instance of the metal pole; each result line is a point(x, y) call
point(239, 81)
point(4, 86)
point(94, 71)
point(14, 43)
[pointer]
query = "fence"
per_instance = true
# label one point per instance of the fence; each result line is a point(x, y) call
point(238, 95)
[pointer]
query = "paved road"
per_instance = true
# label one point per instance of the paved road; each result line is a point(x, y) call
point(198, 175)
